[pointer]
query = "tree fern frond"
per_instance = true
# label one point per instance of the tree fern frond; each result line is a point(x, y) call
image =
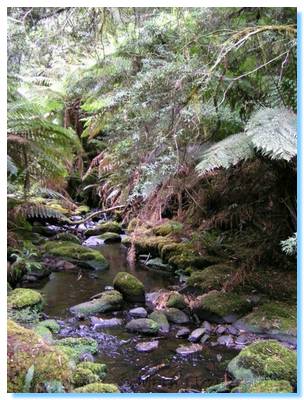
point(32, 210)
point(273, 131)
point(11, 166)
point(225, 153)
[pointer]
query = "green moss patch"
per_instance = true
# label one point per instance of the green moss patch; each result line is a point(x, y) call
point(211, 278)
point(171, 227)
point(110, 300)
point(79, 345)
point(176, 300)
point(130, 287)
point(110, 237)
point(98, 388)
point(20, 298)
point(267, 386)
point(51, 324)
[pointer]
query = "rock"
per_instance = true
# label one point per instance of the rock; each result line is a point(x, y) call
point(45, 333)
point(243, 339)
point(265, 386)
point(142, 325)
point(108, 301)
point(93, 241)
point(196, 335)
point(96, 368)
point(225, 340)
point(176, 316)
point(160, 318)
point(51, 324)
point(204, 338)
point(220, 329)
point(108, 288)
point(167, 228)
point(211, 278)
point(66, 236)
point(110, 237)
point(266, 359)
point(26, 349)
point(149, 245)
point(104, 227)
point(207, 326)
point(147, 346)
point(186, 350)
point(97, 388)
point(232, 330)
point(45, 230)
point(76, 347)
point(221, 307)
point(157, 264)
point(138, 312)
point(130, 287)
point(22, 298)
point(176, 300)
point(276, 319)
point(105, 323)
point(182, 333)
point(88, 372)
point(76, 253)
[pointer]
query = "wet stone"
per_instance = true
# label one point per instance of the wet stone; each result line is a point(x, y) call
point(191, 349)
point(138, 312)
point(225, 340)
point(196, 335)
point(105, 323)
point(204, 338)
point(147, 346)
point(176, 316)
point(232, 330)
point(220, 329)
point(207, 326)
point(183, 333)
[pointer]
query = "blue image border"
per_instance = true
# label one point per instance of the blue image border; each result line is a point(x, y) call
point(299, 279)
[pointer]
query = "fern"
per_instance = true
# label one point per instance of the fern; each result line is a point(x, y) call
point(272, 131)
point(289, 246)
point(30, 210)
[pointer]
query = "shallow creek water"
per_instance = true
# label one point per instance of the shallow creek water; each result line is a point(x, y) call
point(127, 367)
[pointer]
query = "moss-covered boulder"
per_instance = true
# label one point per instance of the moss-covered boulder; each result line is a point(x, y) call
point(176, 316)
point(189, 260)
point(66, 236)
point(74, 348)
point(110, 300)
point(160, 318)
point(266, 359)
point(276, 319)
point(76, 253)
point(104, 227)
point(27, 349)
point(221, 307)
point(21, 298)
point(45, 333)
point(265, 386)
point(176, 300)
point(150, 244)
point(130, 287)
point(143, 325)
point(83, 376)
point(110, 237)
point(211, 278)
point(96, 368)
point(97, 388)
point(167, 228)
point(51, 324)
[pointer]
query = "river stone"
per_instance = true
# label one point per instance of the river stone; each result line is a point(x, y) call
point(130, 287)
point(186, 350)
point(225, 340)
point(110, 237)
point(108, 301)
point(207, 326)
point(93, 241)
point(176, 316)
point(232, 330)
point(176, 300)
point(160, 318)
point(138, 312)
point(266, 359)
point(182, 333)
point(147, 346)
point(196, 335)
point(105, 323)
point(204, 338)
point(142, 325)
point(157, 264)
point(220, 329)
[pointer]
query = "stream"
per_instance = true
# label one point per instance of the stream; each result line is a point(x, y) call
point(162, 370)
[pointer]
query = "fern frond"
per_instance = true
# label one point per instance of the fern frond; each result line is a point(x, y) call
point(289, 246)
point(11, 166)
point(31, 210)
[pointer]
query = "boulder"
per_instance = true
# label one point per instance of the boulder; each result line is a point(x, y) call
point(130, 287)
point(110, 300)
point(104, 227)
point(176, 300)
point(266, 359)
point(167, 228)
point(145, 347)
point(211, 278)
point(138, 312)
point(160, 318)
point(225, 340)
point(176, 316)
point(74, 347)
point(142, 325)
point(23, 298)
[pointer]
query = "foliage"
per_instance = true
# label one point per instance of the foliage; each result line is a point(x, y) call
point(289, 246)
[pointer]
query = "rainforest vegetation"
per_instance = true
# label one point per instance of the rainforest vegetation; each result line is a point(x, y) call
point(151, 199)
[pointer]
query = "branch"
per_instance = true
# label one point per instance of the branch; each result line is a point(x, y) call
point(82, 221)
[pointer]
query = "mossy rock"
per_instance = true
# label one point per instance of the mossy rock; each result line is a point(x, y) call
point(167, 228)
point(51, 324)
point(84, 376)
point(27, 349)
point(76, 253)
point(276, 319)
point(176, 300)
point(176, 316)
point(21, 298)
point(130, 287)
point(133, 224)
point(150, 244)
point(156, 264)
point(97, 388)
point(78, 346)
point(96, 368)
point(143, 325)
point(104, 227)
point(221, 307)
point(266, 359)
point(211, 278)
point(45, 333)
point(265, 386)
point(160, 318)
point(67, 236)
point(188, 260)
point(110, 300)
point(110, 237)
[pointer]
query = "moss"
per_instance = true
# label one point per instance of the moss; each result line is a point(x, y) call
point(83, 209)
point(173, 249)
point(20, 298)
point(26, 348)
point(211, 278)
point(176, 300)
point(110, 237)
point(84, 376)
point(171, 227)
point(76, 253)
point(130, 287)
point(160, 318)
point(186, 260)
point(110, 226)
point(51, 324)
point(222, 307)
point(110, 300)
point(79, 345)
point(266, 359)
point(45, 333)
point(265, 386)
point(96, 368)
point(67, 236)
point(98, 388)
point(27, 315)
point(133, 224)
point(150, 244)
point(143, 325)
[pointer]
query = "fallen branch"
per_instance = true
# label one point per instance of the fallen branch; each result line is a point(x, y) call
point(82, 221)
